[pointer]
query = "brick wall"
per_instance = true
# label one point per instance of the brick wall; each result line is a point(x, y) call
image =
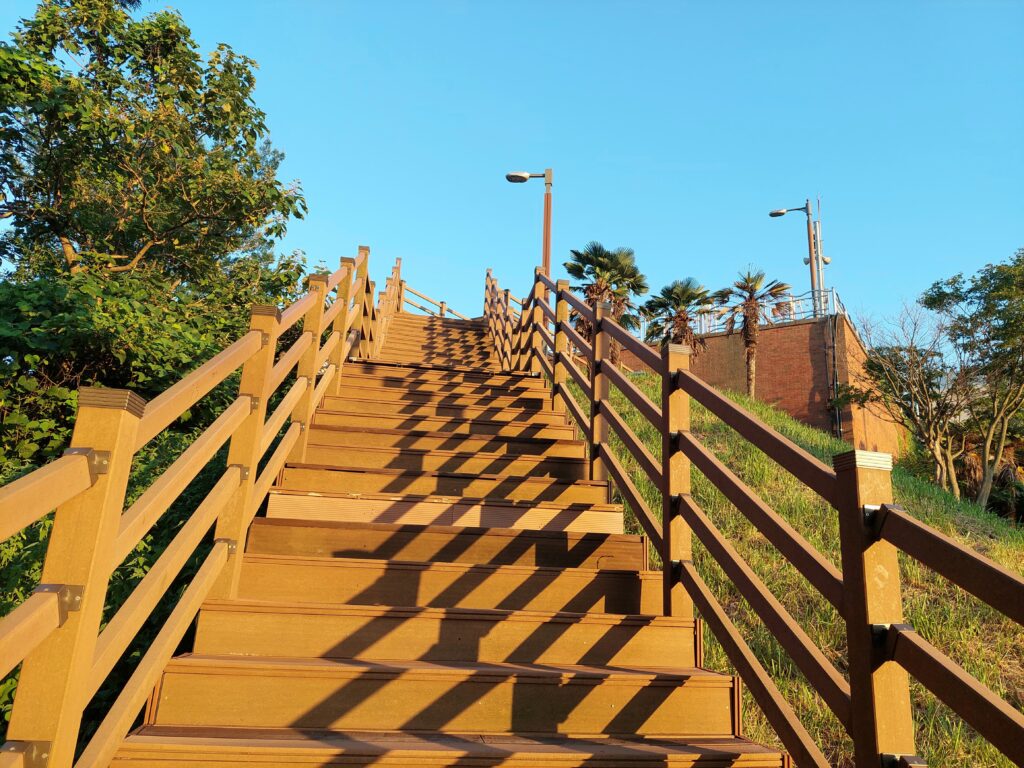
point(794, 369)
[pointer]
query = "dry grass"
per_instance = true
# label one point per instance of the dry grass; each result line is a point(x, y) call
point(987, 644)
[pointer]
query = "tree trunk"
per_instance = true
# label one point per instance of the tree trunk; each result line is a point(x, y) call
point(985, 489)
point(954, 484)
point(751, 369)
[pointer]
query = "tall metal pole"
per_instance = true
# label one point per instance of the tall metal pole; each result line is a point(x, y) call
point(546, 250)
point(812, 258)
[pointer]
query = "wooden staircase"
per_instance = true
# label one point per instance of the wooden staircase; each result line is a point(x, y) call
point(438, 583)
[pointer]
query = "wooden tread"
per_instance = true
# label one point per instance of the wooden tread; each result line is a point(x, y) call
point(361, 581)
point(424, 439)
point(262, 628)
point(454, 697)
point(446, 544)
point(158, 746)
point(450, 426)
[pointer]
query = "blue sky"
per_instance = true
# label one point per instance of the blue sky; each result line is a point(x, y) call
point(672, 128)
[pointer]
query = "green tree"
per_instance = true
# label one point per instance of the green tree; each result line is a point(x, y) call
point(985, 319)
point(672, 312)
point(607, 276)
point(754, 302)
point(121, 147)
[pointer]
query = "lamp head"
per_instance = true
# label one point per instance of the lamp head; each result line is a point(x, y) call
point(826, 259)
point(517, 177)
point(774, 214)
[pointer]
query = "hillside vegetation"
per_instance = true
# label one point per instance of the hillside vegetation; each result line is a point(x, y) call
point(987, 644)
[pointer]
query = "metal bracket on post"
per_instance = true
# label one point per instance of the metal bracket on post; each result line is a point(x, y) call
point(243, 470)
point(69, 598)
point(254, 402)
point(902, 761)
point(34, 754)
point(232, 544)
point(99, 461)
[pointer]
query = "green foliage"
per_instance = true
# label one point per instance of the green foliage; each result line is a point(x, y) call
point(989, 645)
point(672, 312)
point(608, 276)
point(120, 146)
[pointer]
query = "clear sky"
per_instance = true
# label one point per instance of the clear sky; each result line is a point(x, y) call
point(672, 127)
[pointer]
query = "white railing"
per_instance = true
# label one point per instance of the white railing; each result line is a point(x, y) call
point(786, 310)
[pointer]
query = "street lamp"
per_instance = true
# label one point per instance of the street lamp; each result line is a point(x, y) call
point(814, 258)
point(520, 177)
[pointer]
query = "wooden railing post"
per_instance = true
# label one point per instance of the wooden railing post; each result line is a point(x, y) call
point(444, 307)
point(367, 330)
point(508, 323)
point(535, 322)
point(599, 386)
point(881, 721)
point(363, 304)
point(677, 539)
point(487, 301)
point(561, 346)
point(313, 322)
point(344, 295)
point(53, 689)
point(244, 449)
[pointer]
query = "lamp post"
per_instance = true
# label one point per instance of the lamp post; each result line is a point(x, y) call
point(814, 258)
point(519, 177)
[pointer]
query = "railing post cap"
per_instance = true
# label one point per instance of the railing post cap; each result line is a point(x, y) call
point(318, 277)
point(348, 260)
point(114, 399)
point(562, 284)
point(603, 306)
point(265, 310)
point(858, 459)
point(668, 348)
point(364, 249)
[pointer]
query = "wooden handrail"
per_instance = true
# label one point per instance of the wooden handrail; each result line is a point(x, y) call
point(165, 409)
point(650, 465)
point(636, 502)
point(780, 716)
point(816, 475)
point(818, 670)
point(289, 360)
point(579, 306)
point(273, 466)
point(577, 375)
point(824, 576)
point(24, 628)
point(576, 340)
point(640, 401)
point(282, 412)
point(293, 313)
point(998, 722)
point(30, 497)
point(581, 419)
point(646, 355)
point(969, 570)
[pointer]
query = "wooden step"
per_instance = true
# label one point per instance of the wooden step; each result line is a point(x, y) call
point(155, 746)
point(413, 372)
point(524, 399)
point(451, 426)
point(454, 697)
point(438, 388)
point(446, 461)
point(331, 479)
point(449, 585)
point(543, 415)
point(447, 544)
point(444, 510)
point(449, 362)
point(401, 343)
point(260, 628)
point(355, 437)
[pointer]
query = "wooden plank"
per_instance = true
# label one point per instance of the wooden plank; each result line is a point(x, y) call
point(814, 567)
point(325, 351)
point(119, 632)
point(25, 500)
point(274, 463)
point(641, 402)
point(282, 412)
point(168, 406)
point(576, 340)
point(104, 743)
point(578, 377)
point(579, 306)
point(809, 470)
point(582, 420)
point(335, 278)
point(777, 711)
point(650, 465)
point(287, 361)
point(647, 356)
point(819, 671)
point(996, 720)
point(152, 504)
point(324, 384)
point(982, 577)
point(636, 502)
point(24, 628)
point(296, 310)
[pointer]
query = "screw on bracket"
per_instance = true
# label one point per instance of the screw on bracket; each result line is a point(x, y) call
point(231, 543)
point(69, 598)
point(902, 761)
point(34, 754)
point(243, 470)
point(99, 461)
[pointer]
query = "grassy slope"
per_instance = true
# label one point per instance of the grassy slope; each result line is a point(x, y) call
point(988, 645)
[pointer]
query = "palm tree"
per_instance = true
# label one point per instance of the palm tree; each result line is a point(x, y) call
point(672, 312)
point(755, 301)
point(607, 276)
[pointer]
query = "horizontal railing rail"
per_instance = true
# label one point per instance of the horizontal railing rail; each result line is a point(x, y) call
point(55, 634)
point(571, 342)
point(442, 308)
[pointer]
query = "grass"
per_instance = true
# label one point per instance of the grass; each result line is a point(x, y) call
point(987, 644)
